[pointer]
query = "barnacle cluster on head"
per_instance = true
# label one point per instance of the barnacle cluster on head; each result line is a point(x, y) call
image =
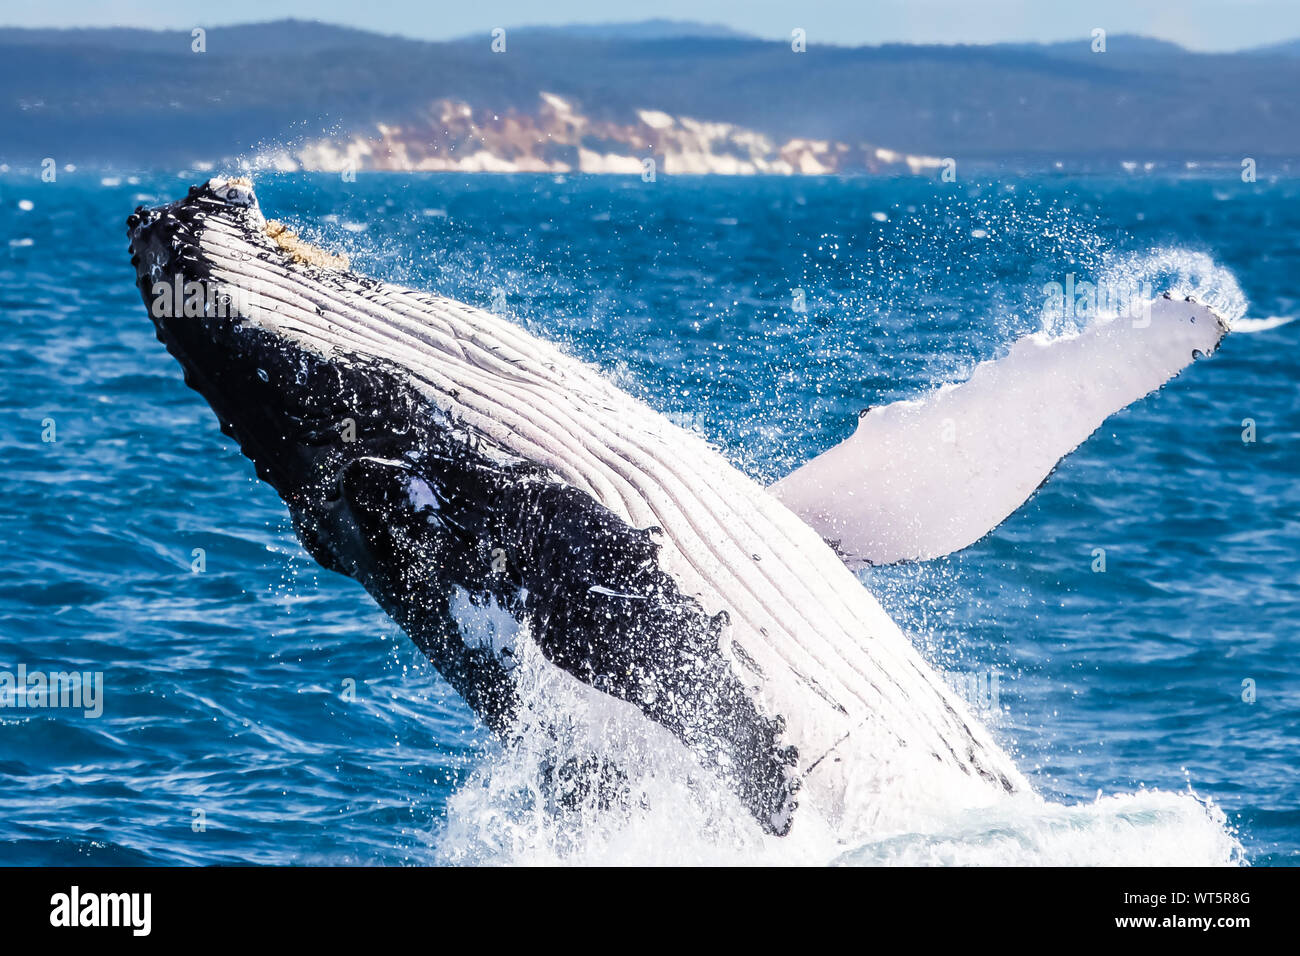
point(300, 250)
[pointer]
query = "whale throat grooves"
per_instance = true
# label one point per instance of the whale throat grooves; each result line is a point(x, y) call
point(457, 465)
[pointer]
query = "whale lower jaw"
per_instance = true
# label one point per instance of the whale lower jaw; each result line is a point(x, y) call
point(464, 470)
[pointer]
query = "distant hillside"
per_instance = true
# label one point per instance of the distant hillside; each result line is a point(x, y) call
point(1122, 44)
point(657, 29)
point(1289, 48)
point(282, 37)
point(143, 98)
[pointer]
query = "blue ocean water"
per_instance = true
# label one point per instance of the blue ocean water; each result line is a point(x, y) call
point(263, 710)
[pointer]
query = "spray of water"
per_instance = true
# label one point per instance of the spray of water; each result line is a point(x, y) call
point(1179, 273)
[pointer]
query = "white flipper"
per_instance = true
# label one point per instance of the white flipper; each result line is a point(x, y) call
point(919, 479)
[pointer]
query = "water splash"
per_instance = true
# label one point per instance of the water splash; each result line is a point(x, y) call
point(1179, 273)
point(1262, 325)
point(585, 779)
point(664, 810)
point(1148, 828)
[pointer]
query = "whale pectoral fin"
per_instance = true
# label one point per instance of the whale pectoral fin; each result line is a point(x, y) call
point(919, 479)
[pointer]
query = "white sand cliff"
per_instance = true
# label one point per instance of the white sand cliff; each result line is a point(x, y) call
point(453, 137)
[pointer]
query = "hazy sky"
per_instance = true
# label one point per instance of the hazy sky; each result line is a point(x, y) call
point(1199, 24)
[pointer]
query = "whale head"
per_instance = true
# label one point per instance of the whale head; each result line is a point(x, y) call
point(366, 464)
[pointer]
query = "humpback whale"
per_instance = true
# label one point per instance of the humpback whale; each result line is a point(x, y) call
point(488, 489)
